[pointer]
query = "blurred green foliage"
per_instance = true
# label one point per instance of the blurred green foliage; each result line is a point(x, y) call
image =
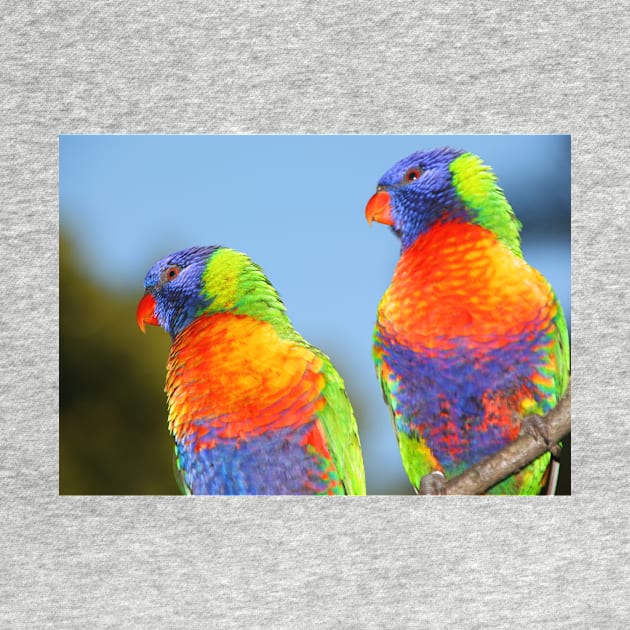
point(113, 436)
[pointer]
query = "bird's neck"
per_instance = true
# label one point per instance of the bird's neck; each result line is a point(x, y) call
point(459, 279)
point(232, 283)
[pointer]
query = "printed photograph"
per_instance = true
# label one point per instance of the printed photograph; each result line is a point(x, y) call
point(315, 314)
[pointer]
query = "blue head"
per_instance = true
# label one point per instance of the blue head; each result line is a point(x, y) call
point(173, 290)
point(415, 193)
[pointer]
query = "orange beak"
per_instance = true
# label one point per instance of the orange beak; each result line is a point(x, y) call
point(379, 208)
point(146, 312)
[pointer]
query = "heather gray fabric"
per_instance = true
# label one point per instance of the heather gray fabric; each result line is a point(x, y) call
point(395, 67)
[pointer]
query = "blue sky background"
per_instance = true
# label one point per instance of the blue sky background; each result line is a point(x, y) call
point(295, 204)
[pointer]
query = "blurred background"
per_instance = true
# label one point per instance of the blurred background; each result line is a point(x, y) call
point(295, 204)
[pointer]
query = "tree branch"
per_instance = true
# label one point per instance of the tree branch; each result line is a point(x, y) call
point(525, 449)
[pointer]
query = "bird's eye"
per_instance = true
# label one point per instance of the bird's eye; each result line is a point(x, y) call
point(412, 174)
point(170, 273)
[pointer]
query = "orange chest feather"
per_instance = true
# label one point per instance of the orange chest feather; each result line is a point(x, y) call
point(236, 373)
point(458, 280)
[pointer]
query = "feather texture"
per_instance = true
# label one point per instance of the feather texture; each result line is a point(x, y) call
point(253, 408)
point(469, 338)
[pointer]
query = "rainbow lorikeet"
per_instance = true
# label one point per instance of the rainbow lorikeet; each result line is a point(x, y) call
point(253, 408)
point(469, 338)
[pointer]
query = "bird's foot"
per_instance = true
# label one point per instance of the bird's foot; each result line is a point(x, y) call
point(535, 427)
point(434, 483)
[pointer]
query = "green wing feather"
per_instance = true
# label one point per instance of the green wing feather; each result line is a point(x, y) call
point(340, 427)
point(562, 354)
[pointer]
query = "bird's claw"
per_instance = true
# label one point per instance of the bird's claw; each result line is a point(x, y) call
point(434, 484)
point(535, 427)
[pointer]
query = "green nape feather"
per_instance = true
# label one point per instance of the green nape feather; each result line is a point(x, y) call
point(348, 460)
point(234, 283)
point(476, 185)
